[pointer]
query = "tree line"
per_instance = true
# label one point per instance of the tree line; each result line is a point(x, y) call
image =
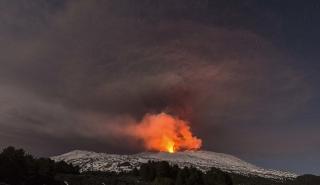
point(19, 168)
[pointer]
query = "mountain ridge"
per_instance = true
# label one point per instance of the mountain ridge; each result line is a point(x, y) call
point(202, 160)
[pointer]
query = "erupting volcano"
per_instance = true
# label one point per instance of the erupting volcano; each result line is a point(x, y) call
point(165, 133)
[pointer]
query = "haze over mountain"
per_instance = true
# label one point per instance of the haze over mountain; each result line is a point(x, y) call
point(232, 76)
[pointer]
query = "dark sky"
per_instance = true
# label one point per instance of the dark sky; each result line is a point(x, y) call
point(245, 73)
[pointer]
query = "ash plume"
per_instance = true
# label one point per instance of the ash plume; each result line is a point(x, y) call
point(71, 72)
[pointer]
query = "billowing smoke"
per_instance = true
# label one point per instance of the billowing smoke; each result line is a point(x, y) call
point(163, 132)
point(71, 71)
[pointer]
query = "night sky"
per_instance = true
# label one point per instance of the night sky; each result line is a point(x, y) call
point(244, 73)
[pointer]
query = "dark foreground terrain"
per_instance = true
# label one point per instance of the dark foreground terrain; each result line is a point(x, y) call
point(19, 168)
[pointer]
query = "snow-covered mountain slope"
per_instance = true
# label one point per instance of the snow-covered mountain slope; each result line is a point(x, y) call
point(203, 160)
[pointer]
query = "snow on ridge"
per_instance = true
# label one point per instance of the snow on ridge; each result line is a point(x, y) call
point(203, 160)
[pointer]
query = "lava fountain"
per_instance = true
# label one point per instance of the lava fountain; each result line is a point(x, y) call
point(165, 133)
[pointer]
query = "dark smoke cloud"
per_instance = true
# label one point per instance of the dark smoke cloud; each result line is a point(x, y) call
point(72, 71)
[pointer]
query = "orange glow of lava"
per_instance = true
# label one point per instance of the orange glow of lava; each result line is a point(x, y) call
point(165, 133)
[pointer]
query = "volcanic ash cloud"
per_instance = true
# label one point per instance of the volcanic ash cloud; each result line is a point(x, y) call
point(165, 133)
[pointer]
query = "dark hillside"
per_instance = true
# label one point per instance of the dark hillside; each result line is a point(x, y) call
point(19, 168)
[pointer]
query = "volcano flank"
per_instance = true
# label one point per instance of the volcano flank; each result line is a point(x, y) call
point(202, 160)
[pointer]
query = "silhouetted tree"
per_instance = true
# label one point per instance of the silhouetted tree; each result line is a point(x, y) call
point(163, 181)
point(19, 168)
point(195, 177)
point(182, 176)
point(217, 177)
point(147, 171)
point(162, 169)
